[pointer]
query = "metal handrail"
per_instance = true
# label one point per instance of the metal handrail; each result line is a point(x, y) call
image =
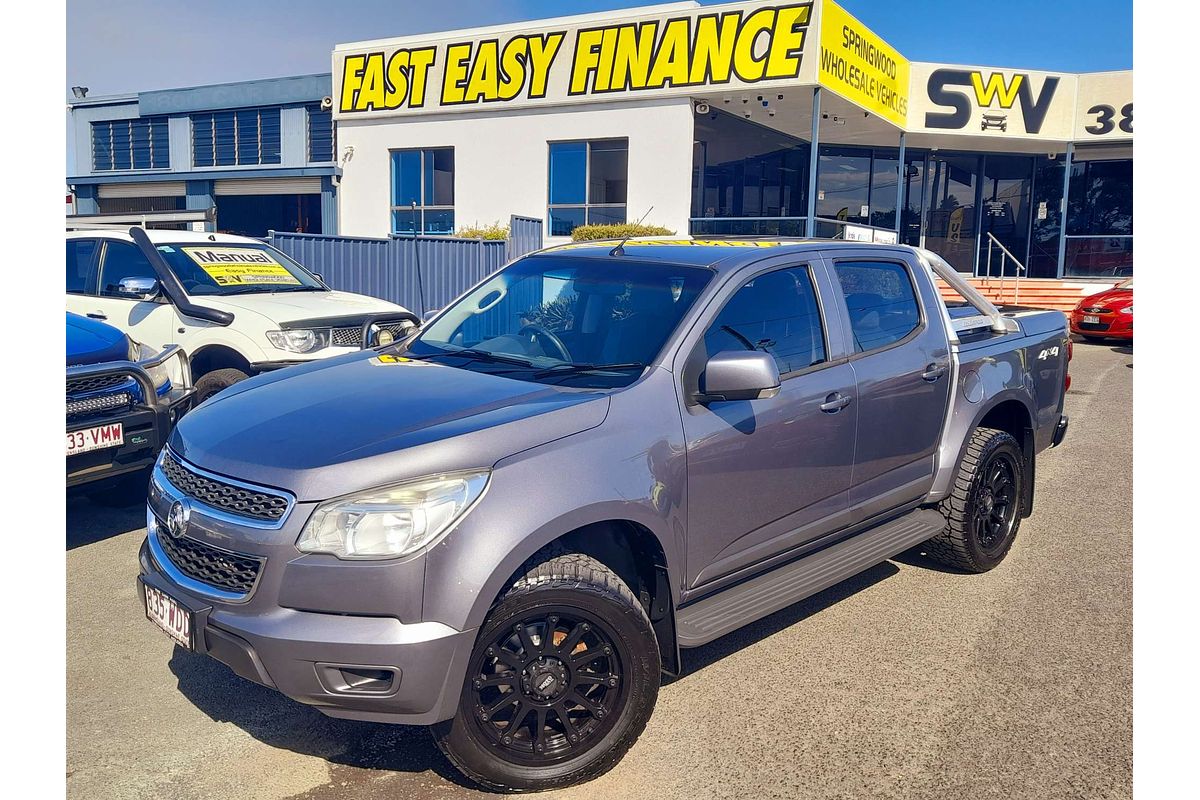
point(1005, 253)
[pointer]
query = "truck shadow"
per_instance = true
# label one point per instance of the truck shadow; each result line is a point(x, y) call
point(280, 722)
point(915, 557)
point(88, 523)
point(277, 721)
point(698, 658)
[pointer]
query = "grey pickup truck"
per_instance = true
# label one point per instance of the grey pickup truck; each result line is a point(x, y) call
point(508, 525)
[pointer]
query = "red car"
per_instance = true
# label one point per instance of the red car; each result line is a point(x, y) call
point(1107, 315)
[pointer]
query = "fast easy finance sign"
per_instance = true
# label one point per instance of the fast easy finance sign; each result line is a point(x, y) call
point(664, 54)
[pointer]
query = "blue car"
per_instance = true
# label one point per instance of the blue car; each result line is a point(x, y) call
point(123, 400)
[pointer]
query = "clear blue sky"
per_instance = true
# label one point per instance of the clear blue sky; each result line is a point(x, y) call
point(130, 45)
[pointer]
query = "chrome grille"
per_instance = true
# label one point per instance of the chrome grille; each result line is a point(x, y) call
point(240, 500)
point(224, 569)
point(1097, 310)
point(352, 337)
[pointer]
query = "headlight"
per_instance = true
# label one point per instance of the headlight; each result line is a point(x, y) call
point(299, 340)
point(141, 352)
point(392, 521)
point(1127, 310)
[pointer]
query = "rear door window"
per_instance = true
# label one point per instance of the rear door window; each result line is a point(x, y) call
point(81, 265)
point(881, 300)
point(776, 313)
point(122, 260)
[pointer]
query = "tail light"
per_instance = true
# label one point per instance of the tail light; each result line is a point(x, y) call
point(1067, 371)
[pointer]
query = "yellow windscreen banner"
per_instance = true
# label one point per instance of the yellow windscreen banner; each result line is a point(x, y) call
point(241, 266)
point(862, 67)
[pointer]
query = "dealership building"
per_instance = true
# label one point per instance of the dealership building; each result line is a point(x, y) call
point(740, 119)
point(749, 118)
point(241, 157)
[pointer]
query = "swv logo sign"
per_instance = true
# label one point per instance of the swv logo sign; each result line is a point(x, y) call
point(956, 88)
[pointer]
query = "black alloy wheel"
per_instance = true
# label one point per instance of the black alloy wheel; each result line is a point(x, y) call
point(984, 507)
point(561, 680)
point(548, 687)
point(997, 502)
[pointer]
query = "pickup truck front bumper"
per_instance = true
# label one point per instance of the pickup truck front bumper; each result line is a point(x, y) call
point(146, 424)
point(369, 668)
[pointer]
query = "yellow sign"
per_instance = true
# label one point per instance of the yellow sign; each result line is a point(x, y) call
point(862, 67)
point(241, 266)
point(748, 44)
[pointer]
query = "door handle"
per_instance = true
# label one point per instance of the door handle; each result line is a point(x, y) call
point(933, 372)
point(97, 315)
point(835, 403)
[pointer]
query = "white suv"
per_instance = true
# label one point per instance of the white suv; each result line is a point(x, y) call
point(235, 305)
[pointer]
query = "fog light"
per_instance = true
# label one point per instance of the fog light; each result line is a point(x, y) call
point(385, 337)
point(351, 679)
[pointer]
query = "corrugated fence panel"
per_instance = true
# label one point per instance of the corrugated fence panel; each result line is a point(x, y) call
point(388, 268)
point(524, 236)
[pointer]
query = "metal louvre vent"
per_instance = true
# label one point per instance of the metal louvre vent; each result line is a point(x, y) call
point(233, 572)
point(96, 383)
point(352, 337)
point(228, 497)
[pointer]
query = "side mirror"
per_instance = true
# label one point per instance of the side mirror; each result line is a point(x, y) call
point(138, 288)
point(739, 375)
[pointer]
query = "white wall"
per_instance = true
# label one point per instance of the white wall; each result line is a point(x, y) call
point(501, 160)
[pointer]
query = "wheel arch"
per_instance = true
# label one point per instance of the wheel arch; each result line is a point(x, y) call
point(214, 356)
point(1010, 411)
point(631, 548)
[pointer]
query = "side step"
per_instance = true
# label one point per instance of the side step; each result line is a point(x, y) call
point(743, 603)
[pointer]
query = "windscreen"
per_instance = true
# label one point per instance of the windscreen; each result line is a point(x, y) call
point(225, 269)
point(575, 321)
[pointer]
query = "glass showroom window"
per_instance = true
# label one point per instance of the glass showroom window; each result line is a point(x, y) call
point(232, 138)
point(131, 144)
point(1100, 220)
point(588, 183)
point(424, 178)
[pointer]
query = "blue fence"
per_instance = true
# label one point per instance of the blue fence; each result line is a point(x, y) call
point(420, 273)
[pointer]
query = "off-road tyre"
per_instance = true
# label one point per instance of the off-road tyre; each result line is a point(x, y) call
point(212, 382)
point(964, 543)
point(576, 591)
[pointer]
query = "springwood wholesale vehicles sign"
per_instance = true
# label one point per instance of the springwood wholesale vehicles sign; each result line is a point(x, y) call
point(1104, 106)
point(862, 67)
point(1021, 104)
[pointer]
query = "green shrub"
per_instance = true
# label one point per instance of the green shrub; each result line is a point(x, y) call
point(477, 231)
point(587, 233)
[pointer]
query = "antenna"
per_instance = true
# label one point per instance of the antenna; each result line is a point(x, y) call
point(417, 228)
point(619, 250)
